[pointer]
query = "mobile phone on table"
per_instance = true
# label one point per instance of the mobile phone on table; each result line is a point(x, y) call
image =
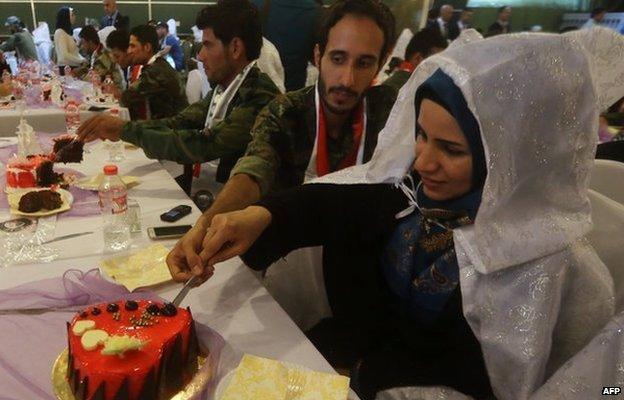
point(167, 232)
point(176, 213)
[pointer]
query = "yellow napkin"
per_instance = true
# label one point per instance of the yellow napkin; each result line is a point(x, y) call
point(258, 378)
point(146, 267)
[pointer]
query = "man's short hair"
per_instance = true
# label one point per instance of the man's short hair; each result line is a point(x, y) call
point(372, 9)
point(596, 11)
point(234, 18)
point(423, 42)
point(89, 34)
point(162, 25)
point(502, 8)
point(118, 39)
point(146, 34)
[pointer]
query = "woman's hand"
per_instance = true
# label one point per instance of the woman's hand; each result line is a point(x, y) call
point(229, 235)
point(232, 234)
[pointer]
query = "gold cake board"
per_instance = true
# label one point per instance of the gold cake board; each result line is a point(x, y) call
point(62, 389)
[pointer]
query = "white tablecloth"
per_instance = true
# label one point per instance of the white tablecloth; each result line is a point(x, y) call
point(233, 302)
point(44, 119)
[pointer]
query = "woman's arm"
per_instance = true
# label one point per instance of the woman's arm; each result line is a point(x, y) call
point(309, 215)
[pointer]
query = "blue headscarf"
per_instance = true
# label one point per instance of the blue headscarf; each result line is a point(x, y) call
point(419, 261)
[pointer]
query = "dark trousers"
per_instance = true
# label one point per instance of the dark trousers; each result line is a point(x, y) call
point(390, 359)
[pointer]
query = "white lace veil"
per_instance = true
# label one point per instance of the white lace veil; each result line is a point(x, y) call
point(534, 291)
point(536, 98)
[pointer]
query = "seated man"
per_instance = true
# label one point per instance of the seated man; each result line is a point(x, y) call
point(218, 126)
point(117, 42)
point(20, 41)
point(154, 89)
point(318, 129)
point(423, 44)
point(170, 45)
point(100, 61)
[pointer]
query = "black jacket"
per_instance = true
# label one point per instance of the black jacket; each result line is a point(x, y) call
point(120, 22)
point(497, 29)
point(452, 27)
point(353, 224)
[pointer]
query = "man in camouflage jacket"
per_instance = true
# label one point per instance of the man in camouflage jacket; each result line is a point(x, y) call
point(100, 60)
point(155, 90)
point(200, 132)
point(342, 109)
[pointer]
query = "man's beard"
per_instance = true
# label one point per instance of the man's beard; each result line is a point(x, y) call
point(220, 76)
point(324, 91)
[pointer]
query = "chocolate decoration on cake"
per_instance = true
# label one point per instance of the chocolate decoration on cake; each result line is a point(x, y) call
point(68, 150)
point(99, 393)
point(131, 305)
point(193, 350)
point(83, 389)
point(170, 378)
point(70, 360)
point(123, 393)
point(148, 391)
point(112, 307)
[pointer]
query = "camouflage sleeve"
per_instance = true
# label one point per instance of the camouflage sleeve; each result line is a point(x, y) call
point(8, 44)
point(261, 159)
point(182, 138)
point(104, 65)
point(151, 83)
point(82, 71)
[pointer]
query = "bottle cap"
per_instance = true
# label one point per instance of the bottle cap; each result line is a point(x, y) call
point(110, 170)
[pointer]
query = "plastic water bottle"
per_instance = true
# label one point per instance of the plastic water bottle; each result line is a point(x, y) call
point(96, 81)
point(107, 86)
point(72, 116)
point(114, 206)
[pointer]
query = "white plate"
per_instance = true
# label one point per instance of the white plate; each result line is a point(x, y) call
point(15, 197)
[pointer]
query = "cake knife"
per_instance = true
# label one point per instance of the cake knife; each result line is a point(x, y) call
point(185, 289)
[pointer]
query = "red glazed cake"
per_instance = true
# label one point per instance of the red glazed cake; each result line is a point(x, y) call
point(131, 350)
point(32, 171)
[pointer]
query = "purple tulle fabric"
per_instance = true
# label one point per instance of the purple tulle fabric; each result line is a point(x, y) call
point(85, 201)
point(29, 344)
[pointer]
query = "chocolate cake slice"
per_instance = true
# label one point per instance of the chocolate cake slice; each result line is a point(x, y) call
point(46, 176)
point(68, 150)
point(40, 200)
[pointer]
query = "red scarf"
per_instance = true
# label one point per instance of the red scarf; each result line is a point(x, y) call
point(322, 154)
point(135, 72)
point(407, 67)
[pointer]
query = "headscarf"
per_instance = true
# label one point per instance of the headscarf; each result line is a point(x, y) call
point(419, 261)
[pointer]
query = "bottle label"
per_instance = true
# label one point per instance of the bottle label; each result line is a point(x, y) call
point(120, 204)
